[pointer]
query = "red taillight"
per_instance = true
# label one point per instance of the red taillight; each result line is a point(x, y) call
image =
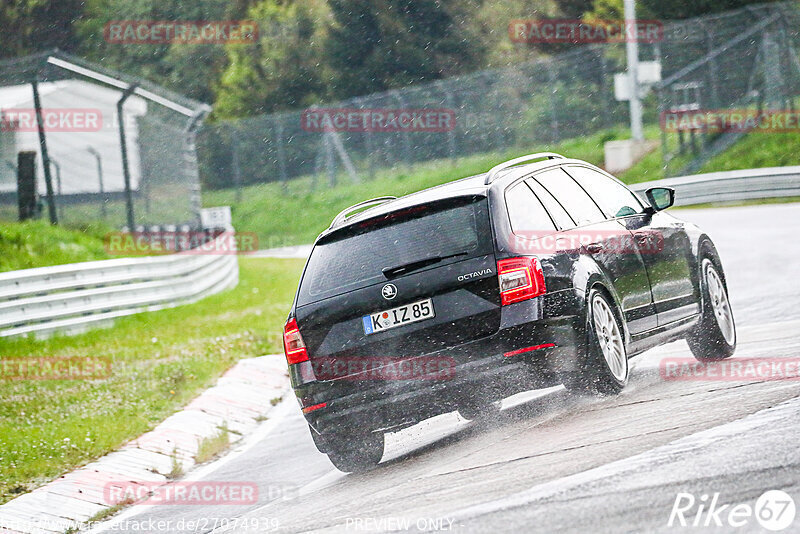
point(520, 279)
point(293, 344)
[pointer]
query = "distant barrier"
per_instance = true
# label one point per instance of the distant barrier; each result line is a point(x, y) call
point(731, 186)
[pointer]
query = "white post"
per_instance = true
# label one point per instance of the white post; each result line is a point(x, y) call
point(632, 49)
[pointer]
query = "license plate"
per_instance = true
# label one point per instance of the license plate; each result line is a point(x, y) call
point(410, 313)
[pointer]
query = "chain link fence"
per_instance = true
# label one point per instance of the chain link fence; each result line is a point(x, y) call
point(718, 61)
point(81, 154)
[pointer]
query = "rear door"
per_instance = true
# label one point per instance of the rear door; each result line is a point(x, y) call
point(431, 268)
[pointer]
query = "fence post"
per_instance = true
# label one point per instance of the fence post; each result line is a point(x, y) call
point(281, 152)
point(330, 160)
point(553, 104)
point(713, 77)
point(604, 90)
point(235, 163)
point(48, 181)
point(451, 134)
point(191, 169)
point(406, 140)
point(99, 161)
point(662, 130)
point(126, 173)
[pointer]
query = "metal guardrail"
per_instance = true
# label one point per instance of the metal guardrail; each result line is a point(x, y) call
point(730, 186)
point(73, 298)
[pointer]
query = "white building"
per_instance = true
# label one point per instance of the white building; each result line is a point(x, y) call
point(79, 115)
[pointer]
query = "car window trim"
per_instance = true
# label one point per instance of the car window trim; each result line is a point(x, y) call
point(558, 226)
point(613, 178)
point(533, 176)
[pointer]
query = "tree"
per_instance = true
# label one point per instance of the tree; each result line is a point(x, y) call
point(189, 69)
point(374, 45)
point(37, 25)
point(282, 70)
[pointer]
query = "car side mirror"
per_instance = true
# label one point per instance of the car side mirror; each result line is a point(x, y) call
point(660, 198)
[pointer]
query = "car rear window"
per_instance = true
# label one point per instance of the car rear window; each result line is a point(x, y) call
point(356, 261)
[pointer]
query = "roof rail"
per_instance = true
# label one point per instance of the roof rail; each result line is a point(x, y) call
point(345, 214)
point(490, 176)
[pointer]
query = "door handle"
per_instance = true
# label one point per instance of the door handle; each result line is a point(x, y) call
point(594, 248)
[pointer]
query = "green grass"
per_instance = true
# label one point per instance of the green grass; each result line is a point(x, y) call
point(213, 446)
point(160, 361)
point(38, 244)
point(752, 151)
point(758, 150)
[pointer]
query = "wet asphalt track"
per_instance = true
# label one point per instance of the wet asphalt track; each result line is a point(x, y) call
point(551, 461)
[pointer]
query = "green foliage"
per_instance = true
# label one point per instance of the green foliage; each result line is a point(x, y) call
point(375, 45)
point(187, 68)
point(282, 69)
point(34, 25)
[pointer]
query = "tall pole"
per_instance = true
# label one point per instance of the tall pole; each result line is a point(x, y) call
point(48, 181)
point(632, 50)
point(124, 148)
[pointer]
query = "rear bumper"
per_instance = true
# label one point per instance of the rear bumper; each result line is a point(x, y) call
point(523, 354)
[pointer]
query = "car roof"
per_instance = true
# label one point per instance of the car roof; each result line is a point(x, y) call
point(470, 186)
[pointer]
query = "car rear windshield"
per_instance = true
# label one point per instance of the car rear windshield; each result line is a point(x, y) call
point(454, 232)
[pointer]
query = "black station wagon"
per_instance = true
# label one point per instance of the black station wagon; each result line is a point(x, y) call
point(543, 271)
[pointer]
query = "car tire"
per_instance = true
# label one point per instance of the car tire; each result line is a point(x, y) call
point(479, 411)
point(355, 453)
point(714, 337)
point(604, 369)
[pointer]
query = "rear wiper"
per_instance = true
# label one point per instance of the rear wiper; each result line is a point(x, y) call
point(392, 272)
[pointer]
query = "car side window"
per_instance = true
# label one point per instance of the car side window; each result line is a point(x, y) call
point(556, 210)
point(528, 216)
point(575, 200)
point(613, 198)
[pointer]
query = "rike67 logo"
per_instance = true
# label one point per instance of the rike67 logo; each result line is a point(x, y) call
point(774, 511)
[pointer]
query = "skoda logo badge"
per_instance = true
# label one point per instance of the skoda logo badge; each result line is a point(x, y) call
point(389, 291)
